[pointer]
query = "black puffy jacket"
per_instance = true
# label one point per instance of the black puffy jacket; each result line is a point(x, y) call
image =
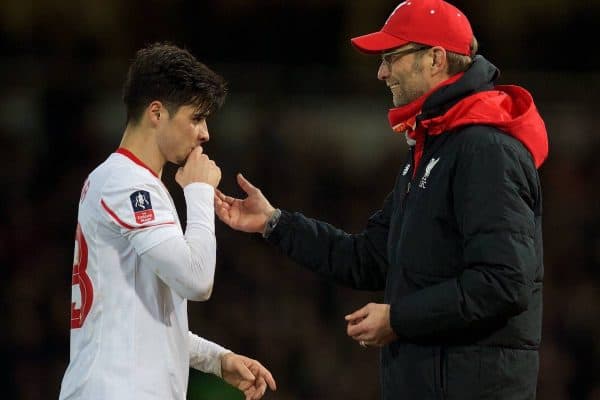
point(457, 246)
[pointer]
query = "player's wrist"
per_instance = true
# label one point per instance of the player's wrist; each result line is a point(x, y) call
point(226, 360)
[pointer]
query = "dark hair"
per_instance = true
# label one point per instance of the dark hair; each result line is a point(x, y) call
point(167, 73)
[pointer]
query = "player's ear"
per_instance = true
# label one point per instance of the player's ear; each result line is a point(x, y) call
point(155, 112)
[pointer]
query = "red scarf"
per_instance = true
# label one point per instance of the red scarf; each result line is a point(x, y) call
point(404, 120)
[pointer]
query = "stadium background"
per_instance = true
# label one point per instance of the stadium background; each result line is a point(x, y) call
point(306, 121)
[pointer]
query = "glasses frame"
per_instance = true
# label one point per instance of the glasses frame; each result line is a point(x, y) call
point(388, 59)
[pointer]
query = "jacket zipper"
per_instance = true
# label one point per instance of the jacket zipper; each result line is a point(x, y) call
point(408, 186)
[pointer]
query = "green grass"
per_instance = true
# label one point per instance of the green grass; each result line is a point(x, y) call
point(209, 387)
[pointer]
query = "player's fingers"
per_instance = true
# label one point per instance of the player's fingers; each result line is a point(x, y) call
point(250, 393)
point(195, 156)
point(270, 380)
point(260, 388)
point(197, 151)
point(261, 384)
point(245, 184)
point(245, 373)
point(267, 377)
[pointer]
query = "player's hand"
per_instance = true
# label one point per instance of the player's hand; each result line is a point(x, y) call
point(370, 325)
point(247, 215)
point(247, 375)
point(198, 168)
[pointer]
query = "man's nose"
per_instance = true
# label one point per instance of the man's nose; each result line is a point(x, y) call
point(383, 72)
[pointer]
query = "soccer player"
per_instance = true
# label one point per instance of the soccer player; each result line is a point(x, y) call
point(134, 268)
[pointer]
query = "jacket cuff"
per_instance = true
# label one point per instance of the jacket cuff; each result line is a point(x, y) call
point(281, 229)
point(395, 320)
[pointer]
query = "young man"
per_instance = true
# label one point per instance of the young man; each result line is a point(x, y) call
point(134, 268)
point(457, 245)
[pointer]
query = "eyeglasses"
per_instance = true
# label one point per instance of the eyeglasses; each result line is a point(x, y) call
point(388, 58)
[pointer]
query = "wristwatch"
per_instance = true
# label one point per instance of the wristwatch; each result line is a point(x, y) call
point(271, 223)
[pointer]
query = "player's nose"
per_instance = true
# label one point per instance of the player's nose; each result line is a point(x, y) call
point(203, 135)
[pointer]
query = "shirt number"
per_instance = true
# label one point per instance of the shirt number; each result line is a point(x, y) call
point(83, 294)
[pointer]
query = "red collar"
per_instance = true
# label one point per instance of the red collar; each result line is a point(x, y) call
point(403, 119)
point(132, 157)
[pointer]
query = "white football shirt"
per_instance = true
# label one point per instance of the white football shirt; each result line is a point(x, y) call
point(129, 327)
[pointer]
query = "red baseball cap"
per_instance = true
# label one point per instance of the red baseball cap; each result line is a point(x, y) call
point(430, 22)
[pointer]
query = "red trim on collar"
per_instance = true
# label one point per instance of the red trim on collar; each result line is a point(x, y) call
point(132, 157)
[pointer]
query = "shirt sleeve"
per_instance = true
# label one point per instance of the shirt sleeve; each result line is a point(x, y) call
point(187, 263)
point(355, 260)
point(205, 355)
point(141, 211)
point(145, 216)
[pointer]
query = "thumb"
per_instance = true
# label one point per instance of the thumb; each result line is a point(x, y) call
point(245, 184)
point(358, 314)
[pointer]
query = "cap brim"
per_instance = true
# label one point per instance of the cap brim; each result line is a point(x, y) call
point(377, 42)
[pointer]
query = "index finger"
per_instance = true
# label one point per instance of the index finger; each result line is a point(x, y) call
point(266, 374)
point(269, 379)
point(271, 382)
point(198, 149)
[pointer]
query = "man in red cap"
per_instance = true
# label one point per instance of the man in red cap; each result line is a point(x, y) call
point(457, 244)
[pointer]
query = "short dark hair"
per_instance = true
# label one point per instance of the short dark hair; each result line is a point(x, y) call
point(172, 75)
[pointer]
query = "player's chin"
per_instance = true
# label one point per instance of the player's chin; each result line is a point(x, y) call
point(181, 160)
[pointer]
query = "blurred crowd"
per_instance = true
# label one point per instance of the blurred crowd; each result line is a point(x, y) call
point(311, 132)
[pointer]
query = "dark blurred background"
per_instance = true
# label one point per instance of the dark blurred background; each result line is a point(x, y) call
point(306, 121)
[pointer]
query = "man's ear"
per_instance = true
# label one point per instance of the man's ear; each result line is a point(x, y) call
point(438, 60)
point(155, 112)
